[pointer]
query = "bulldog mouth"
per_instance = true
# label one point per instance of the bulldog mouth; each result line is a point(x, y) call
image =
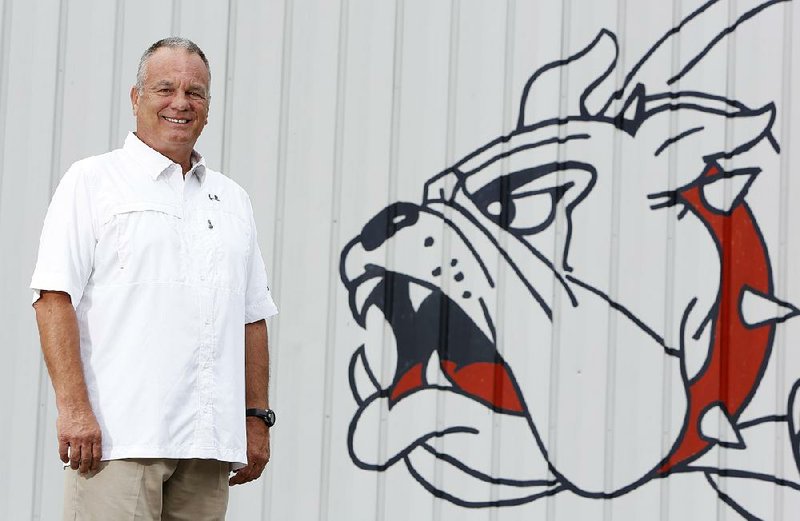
point(430, 328)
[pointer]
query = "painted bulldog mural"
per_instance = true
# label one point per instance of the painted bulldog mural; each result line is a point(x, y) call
point(511, 315)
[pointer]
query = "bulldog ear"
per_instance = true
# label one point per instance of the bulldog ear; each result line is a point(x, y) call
point(590, 66)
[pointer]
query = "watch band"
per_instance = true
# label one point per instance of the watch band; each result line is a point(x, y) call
point(268, 415)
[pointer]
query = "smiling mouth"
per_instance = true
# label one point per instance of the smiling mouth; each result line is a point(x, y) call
point(177, 121)
point(435, 328)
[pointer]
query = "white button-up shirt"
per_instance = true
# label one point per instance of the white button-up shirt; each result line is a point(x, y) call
point(164, 272)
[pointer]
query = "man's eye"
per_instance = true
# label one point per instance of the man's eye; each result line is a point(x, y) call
point(196, 95)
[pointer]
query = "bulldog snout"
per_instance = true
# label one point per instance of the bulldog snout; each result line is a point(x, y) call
point(387, 222)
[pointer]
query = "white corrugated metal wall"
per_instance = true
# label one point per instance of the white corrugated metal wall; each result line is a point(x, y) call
point(329, 111)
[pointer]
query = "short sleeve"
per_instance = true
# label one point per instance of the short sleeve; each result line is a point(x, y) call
point(67, 243)
point(258, 298)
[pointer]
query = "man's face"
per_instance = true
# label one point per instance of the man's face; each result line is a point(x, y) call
point(172, 108)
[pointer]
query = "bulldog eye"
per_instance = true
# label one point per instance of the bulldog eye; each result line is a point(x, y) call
point(520, 209)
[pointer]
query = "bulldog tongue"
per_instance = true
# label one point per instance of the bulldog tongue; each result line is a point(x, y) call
point(468, 358)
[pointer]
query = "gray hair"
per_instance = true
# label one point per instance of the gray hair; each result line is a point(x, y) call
point(173, 42)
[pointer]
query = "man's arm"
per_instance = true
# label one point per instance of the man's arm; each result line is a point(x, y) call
point(256, 360)
point(79, 437)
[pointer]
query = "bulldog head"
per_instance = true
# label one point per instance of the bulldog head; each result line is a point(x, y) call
point(539, 265)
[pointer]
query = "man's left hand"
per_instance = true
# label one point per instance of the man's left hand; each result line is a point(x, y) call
point(257, 452)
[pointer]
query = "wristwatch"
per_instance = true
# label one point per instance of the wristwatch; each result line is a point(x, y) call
point(268, 415)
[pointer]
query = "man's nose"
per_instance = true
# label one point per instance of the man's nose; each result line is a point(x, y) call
point(180, 101)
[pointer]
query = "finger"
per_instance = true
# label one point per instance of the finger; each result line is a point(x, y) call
point(87, 457)
point(75, 457)
point(97, 454)
point(63, 451)
point(243, 475)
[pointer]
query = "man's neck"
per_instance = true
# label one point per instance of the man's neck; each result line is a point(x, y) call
point(180, 156)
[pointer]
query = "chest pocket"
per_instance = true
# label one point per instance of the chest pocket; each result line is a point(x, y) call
point(230, 236)
point(150, 242)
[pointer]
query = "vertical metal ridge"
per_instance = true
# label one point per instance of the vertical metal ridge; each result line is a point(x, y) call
point(55, 171)
point(175, 20)
point(782, 268)
point(613, 286)
point(394, 145)
point(452, 97)
point(5, 39)
point(116, 78)
point(280, 208)
point(333, 260)
point(508, 123)
point(669, 276)
point(229, 72)
point(5, 46)
point(555, 338)
point(730, 93)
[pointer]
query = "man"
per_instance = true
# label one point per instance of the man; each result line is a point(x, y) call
point(151, 298)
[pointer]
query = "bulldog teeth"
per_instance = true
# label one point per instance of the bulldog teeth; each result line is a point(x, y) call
point(716, 425)
point(758, 309)
point(735, 185)
point(433, 371)
point(417, 294)
point(362, 293)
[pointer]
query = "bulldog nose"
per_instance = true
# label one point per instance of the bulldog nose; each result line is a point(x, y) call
point(387, 222)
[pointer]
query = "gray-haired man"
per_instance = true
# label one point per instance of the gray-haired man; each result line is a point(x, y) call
point(151, 298)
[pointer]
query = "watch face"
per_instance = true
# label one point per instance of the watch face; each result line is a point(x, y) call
point(270, 417)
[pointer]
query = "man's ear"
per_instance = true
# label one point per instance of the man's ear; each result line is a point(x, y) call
point(134, 99)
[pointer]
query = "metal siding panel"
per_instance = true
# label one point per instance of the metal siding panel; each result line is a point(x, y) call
point(306, 233)
point(88, 75)
point(364, 139)
point(31, 58)
point(5, 381)
point(420, 132)
point(252, 126)
point(475, 116)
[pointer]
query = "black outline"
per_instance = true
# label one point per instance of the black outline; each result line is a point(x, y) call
point(638, 108)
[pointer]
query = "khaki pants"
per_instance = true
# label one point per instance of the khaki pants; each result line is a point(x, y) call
point(148, 490)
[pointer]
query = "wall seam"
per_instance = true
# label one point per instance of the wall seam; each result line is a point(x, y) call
point(444, 329)
point(782, 286)
point(555, 339)
point(394, 145)
point(280, 192)
point(669, 279)
point(116, 78)
point(229, 72)
point(5, 50)
point(727, 238)
point(333, 261)
point(175, 21)
point(55, 171)
point(613, 286)
point(508, 125)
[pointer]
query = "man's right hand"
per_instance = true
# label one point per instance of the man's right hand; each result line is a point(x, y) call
point(79, 437)
point(79, 440)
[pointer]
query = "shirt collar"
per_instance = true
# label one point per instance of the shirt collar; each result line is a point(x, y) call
point(155, 163)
